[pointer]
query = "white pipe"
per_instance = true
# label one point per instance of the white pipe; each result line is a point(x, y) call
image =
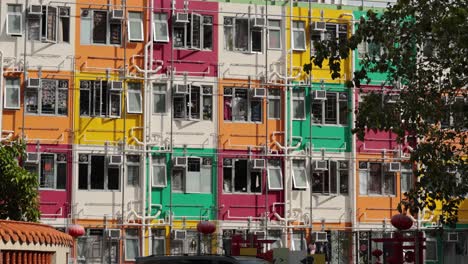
point(243, 217)
point(132, 135)
point(1, 93)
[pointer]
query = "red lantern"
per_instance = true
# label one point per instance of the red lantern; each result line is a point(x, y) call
point(402, 222)
point(377, 253)
point(363, 247)
point(206, 227)
point(76, 231)
point(409, 256)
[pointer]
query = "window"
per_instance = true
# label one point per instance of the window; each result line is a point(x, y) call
point(431, 250)
point(98, 28)
point(134, 100)
point(95, 173)
point(53, 25)
point(159, 242)
point(298, 241)
point(133, 170)
point(331, 181)
point(160, 28)
point(194, 178)
point(333, 111)
point(375, 179)
point(240, 106)
point(240, 177)
point(274, 103)
point(274, 34)
point(135, 26)
point(132, 244)
point(300, 174)
point(275, 175)
point(51, 98)
point(298, 100)
point(188, 105)
point(51, 169)
point(240, 34)
point(97, 100)
point(196, 34)
point(370, 49)
point(14, 20)
point(406, 176)
point(159, 171)
point(189, 245)
point(12, 93)
point(455, 113)
point(333, 31)
point(93, 246)
point(159, 98)
point(299, 36)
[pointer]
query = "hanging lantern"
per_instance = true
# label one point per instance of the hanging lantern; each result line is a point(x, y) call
point(377, 253)
point(76, 231)
point(402, 222)
point(206, 227)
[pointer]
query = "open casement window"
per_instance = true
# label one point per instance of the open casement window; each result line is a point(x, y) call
point(241, 35)
point(159, 241)
point(12, 93)
point(95, 173)
point(274, 34)
point(274, 103)
point(239, 105)
point(298, 241)
point(298, 100)
point(132, 244)
point(376, 179)
point(97, 28)
point(52, 26)
point(134, 98)
point(333, 31)
point(97, 100)
point(406, 177)
point(51, 98)
point(196, 34)
point(94, 245)
point(299, 36)
point(300, 174)
point(331, 181)
point(159, 98)
point(240, 177)
point(14, 20)
point(275, 175)
point(332, 111)
point(195, 177)
point(194, 104)
point(159, 177)
point(160, 27)
point(51, 169)
point(133, 170)
point(135, 26)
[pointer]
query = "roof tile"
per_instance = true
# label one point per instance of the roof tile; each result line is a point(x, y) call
point(25, 232)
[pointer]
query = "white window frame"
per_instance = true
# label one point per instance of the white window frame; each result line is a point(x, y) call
point(134, 91)
point(106, 174)
point(275, 28)
point(158, 237)
point(298, 238)
point(37, 168)
point(406, 169)
point(366, 173)
point(43, 19)
point(159, 92)
point(108, 34)
point(249, 99)
point(270, 98)
point(189, 27)
point(298, 26)
point(111, 95)
point(323, 110)
point(322, 35)
point(158, 162)
point(250, 29)
point(160, 18)
point(14, 86)
point(185, 174)
point(363, 50)
point(276, 167)
point(131, 163)
point(139, 21)
point(187, 115)
point(434, 242)
point(132, 237)
point(17, 14)
point(39, 95)
point(304, 170)
point(248, 172)
point(327, 176)
point(299, 98)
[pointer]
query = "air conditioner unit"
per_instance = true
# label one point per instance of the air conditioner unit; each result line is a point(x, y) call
point(207, 162)
point(117, 14)
point(64, 11)
point(62, 157)
point(181, 88)
point(259, 22)
point(35, 10)
point(259, 93)
point(363, 165)
point(115, 160)
point(113, 233)
point(228, 21)
point(319, 26)
point(258, 163)
point(321, 165)
point(452, 237)
point(180, 162)
point(260, 234)
point(182, 17)
point(32, 157)
point(116, 85)
point(320, 236)
point(227, 163)
point(393, 98)
point(83, 158)
point(180, 234)
point(320, 95)
point(34, 82)
point(394, 166)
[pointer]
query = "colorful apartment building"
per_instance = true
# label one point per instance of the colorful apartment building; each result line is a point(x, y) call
point(143, 118)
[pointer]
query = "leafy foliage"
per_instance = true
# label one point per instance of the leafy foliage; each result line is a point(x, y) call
point(423, 50)
point(18, 187)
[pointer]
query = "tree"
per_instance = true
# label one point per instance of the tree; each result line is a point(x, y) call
point(18, 187)
point(423, 49)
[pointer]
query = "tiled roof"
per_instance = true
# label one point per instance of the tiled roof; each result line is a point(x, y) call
point(25, 232)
